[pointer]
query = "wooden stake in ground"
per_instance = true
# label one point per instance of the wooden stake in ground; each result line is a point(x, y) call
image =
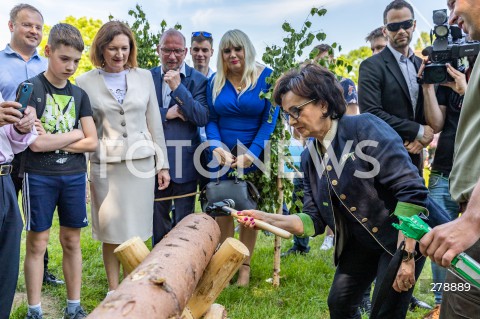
point(278, 241)
point(131, 253)
point(216, 311)
point(223, 265)
point(161, 285)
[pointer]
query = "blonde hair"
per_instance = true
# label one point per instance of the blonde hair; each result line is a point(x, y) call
point(235, 38)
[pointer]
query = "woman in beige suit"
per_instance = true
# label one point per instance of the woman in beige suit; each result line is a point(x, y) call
point(131, 147)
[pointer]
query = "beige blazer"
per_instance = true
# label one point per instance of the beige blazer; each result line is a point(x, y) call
point(131, 130)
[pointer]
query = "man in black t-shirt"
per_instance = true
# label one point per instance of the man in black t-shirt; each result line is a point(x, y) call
point(442, 112)
point(55, 169)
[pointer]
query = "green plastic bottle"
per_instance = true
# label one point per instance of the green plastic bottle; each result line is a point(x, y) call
point(462, 265)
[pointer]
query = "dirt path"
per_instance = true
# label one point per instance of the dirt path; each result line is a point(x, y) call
point(50, 309)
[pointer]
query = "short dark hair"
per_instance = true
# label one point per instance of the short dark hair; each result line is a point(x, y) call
point(22, 6)
point(200, 38)
point(66, 34)
point(323, 48)
point(172, 33)
point(397, 5)
point(105, 35)
point(313, 81)
point(377, 33)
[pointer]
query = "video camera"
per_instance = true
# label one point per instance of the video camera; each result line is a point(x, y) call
point(450, 46)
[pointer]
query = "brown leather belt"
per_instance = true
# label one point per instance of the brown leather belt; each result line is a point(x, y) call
point(5, 169)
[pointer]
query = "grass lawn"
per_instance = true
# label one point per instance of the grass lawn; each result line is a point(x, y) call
point(302, 293)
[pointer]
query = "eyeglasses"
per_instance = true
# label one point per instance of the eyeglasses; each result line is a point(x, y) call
point(199, 33)
point(395, 26)
point(167, 52)
point(295, 111)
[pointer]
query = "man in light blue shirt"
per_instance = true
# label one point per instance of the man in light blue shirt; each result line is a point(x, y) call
point(20, 60)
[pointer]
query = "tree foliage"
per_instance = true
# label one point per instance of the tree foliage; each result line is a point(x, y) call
point(353, 59)
point(88, 28)
point(281, 59)
point(146, 39)
point(423, 41)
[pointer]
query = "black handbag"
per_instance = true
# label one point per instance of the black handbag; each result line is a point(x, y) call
point(243, 193)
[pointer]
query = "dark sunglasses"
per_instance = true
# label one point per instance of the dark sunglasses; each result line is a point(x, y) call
point(395, 26)
point(199, 33)
point(295, 111)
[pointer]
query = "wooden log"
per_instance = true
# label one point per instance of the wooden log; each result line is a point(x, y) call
point(131, 253)
point(216, 311)
point(223, 265)
point(159, 288)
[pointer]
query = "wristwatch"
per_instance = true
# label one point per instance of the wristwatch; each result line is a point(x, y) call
point(408, 255)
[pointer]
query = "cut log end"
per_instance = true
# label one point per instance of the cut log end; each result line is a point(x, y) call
point(131, 253)
point(216, 311)
point(237, 246)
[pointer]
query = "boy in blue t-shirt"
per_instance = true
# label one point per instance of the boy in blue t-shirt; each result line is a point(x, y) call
point(55, 168)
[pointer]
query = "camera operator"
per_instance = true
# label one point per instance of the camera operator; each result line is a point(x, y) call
point(442, 112)
point(444, 242)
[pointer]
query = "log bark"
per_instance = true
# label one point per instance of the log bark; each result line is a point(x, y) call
point(159, 288)
point(131, 253)
point(216, 311)
point(223, 265)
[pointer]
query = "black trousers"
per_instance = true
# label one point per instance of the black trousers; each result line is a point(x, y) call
point(10, 233)
point(357, 268)
point(162, 222)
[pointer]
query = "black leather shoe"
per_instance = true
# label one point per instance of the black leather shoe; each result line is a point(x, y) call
point(366, 306)
point(415, 303)
point(292, 251)
point(50, 279)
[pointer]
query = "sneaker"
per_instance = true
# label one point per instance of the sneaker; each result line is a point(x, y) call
point(50, 279)
point(327, 243)
point(415, 303)
point(33, 316)
point(434, 314)
point(78, 314)
point(366, 306)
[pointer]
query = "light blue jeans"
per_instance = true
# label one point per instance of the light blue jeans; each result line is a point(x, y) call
point(438, 187)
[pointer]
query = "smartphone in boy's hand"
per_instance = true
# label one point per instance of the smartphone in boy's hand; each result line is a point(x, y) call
point(24, 92)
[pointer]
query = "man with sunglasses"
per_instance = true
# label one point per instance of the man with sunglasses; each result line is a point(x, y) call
point(388, 88)
point(388, 85)
point(201, 50)
point(182, 98)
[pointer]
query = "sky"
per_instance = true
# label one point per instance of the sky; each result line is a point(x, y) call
point(347, 22)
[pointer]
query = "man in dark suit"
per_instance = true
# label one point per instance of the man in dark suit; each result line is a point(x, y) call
point(181, 93)
point(388, 88)
point(388, 85)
